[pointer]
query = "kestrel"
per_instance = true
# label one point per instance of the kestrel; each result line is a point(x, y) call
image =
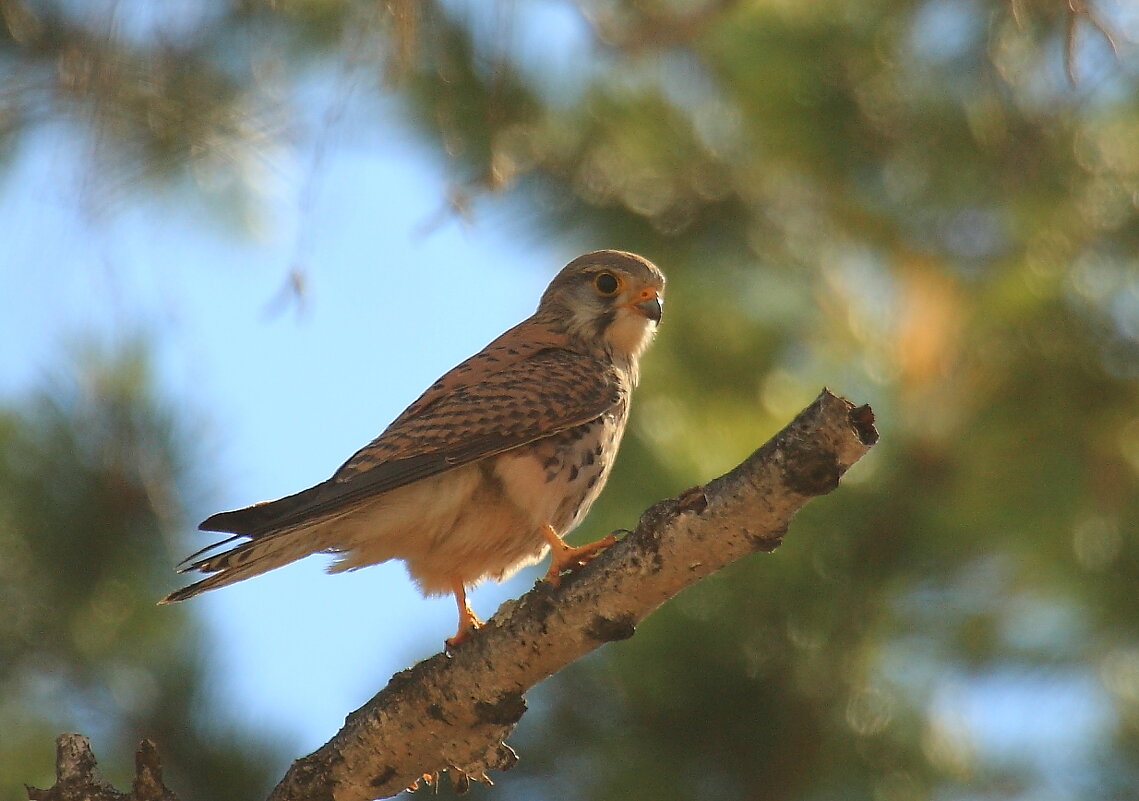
point(489, 468)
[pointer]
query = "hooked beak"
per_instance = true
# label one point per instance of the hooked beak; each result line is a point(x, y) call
point(650, 307)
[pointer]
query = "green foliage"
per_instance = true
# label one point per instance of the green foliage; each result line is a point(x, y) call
point(93, 472)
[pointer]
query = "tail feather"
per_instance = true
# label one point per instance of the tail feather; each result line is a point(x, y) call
point(276, 533)
point(192, 562)
point(246, 560)
point(198, 587)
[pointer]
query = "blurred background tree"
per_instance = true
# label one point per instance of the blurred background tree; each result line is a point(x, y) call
point(910, 201)
point(94, 473)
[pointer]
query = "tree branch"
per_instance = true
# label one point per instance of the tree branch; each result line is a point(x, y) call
point(452, 713)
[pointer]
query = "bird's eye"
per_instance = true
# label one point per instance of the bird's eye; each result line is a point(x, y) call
point(606, 283)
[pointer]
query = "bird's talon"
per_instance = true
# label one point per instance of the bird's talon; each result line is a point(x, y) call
point(468, 622)
point(568, 557)
point(463, 634)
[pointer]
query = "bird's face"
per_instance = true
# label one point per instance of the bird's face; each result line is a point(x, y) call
point(610, 299)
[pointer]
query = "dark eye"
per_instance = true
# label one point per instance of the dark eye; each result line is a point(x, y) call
point(606, 283)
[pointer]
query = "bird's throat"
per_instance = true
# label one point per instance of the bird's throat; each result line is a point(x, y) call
point(628, 335)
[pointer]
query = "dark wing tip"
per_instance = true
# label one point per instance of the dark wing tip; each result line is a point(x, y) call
point(238, 521)
point(261, 518)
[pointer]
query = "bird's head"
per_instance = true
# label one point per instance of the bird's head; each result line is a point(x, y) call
point(609, 299)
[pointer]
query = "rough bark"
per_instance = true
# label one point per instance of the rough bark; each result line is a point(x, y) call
point(77, 775)
point(453, 712)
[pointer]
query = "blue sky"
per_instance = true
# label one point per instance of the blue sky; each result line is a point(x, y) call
point(279, 393)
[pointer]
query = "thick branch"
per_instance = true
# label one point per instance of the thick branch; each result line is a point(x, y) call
point(453, 712)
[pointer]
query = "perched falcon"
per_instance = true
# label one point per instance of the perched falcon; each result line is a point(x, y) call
point(489, 468)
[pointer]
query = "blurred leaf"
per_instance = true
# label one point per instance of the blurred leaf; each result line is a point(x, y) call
point(93, 473)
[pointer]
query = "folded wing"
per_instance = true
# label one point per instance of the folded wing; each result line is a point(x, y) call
point(548, 392)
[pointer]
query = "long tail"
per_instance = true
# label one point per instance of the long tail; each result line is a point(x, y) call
point(251, 558)
point(275, 533)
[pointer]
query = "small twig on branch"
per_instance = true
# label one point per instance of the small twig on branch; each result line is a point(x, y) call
point(452, 713)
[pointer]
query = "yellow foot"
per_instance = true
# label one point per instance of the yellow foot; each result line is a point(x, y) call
point(464, 632)
point(467, 620)
point(568, 557)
